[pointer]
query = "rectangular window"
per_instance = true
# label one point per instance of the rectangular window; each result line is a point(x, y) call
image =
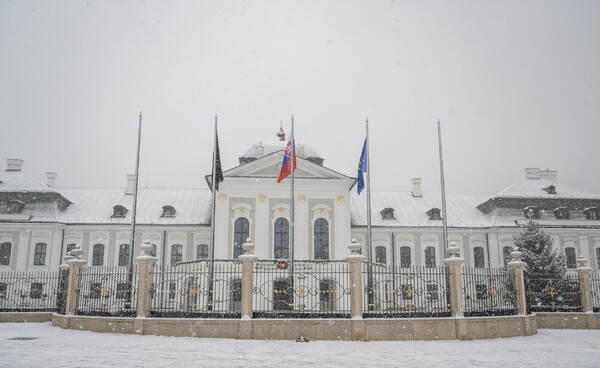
point(39, 257)
point(405, 257)
point(36, 290)
point(98, 255)
point(95, 290)
point(5, 254)
point(3, 290)
point(123, 290)
point(432, 292)
point(481, 291)
point(571, 257)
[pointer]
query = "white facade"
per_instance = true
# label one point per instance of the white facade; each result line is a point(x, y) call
point(38, 221)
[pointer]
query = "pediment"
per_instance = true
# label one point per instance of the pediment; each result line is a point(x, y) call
point(269, 166)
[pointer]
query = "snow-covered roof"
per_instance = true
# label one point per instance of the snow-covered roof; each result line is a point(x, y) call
point(96, 206)
point(533, 188)
point(262, 149)
point(411, 211)
point(18, 181)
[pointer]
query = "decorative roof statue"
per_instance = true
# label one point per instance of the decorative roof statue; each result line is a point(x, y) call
point(281, 133)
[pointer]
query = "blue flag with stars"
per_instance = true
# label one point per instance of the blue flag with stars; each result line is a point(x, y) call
point(362, 168)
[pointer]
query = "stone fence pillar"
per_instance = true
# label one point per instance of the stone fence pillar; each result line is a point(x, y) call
point(518, 269)
point(248, 259)
point(585, 285)
point(75, 264)
point(146, 265)
point(355, 261)
point(455, 268)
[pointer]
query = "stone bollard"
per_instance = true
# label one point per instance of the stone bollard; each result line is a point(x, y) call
point(518, 268)
point(63, 281)
point(584, 283)
point(355, 261)
point(75, 264)
point(248, 259)
point(146, 263)
point(455, 268)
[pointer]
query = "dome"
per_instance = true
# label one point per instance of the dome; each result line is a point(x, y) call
point(262, 149)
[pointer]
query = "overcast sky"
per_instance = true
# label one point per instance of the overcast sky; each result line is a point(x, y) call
point(516, 84)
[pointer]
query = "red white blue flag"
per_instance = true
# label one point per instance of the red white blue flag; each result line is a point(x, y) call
point(286, 166)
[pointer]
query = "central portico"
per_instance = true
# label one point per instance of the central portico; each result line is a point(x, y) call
point(250, 203)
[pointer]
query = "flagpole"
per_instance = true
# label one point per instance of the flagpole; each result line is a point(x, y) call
point(292, 202)
point(369, 247)
point(134, 205)
point(212, 221)
point(444, 221)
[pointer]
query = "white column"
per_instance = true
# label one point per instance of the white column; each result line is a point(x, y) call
point(223, 249)
point(341, 210)
point(303, 228)
point(262, 222)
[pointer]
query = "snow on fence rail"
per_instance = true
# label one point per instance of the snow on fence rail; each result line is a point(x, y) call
point(302, 289)
point(31, 291)
point(195, 289)
point(107, 291)
point(488, 292)
point(392, 291)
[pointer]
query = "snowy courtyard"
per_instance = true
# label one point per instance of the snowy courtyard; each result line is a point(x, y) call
point(41, 345)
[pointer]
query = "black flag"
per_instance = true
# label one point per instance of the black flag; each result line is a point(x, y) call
point(218, 172)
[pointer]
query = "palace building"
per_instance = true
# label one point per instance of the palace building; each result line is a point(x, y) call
point(40, 222)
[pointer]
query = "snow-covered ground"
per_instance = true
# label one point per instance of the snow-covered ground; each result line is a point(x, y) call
point(53, 347)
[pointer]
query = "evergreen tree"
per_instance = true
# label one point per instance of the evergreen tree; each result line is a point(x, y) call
point(538, 252)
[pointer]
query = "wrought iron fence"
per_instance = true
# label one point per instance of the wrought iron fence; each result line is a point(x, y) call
point(107, 291)
point(392, 291)
point(488, 292)
point(29, 291)
point(302, 289)
point(196, 290)
point(552, 293)
point(595, 286)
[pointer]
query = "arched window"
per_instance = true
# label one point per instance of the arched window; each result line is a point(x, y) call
point(571, 257)
point(241, 232)
point(176, 253)
point(153, 252)
point(98, 255)
point(124, 254)
point(380, 254)
point(478, 257)
point(281, 241)
point(202, 251)
point(321, 239)
point(430, 257)
point(506, 251)
point(5, 249)
point(405, 259)
point(70, 247)
point(39, 257)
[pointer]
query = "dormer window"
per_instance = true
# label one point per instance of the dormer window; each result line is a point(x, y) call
point(550, 189)
point(562, 213)
point(531, 212)
point(168, 211)
point(119, 211)
point(388, 214)
point(592, 213)
point(434, 214)
point(15, 206)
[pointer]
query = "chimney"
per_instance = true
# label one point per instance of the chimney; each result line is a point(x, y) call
point(51, 179)
point(14, 164)
point(532, 173)
point(416, 187)
point(549, 175)
point(130, 183)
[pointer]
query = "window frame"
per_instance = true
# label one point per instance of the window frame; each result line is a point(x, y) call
point(176, 253)
point(39, 255)
point(571, 260)
point(403, 256)
point(478, 257)
point(281, 238)
point(98, 254)
point(122, 261)
point(5, 255)
point(430, 259)
point(378, 256)
point(321, 239)
point(240, 234)
point(205, 250)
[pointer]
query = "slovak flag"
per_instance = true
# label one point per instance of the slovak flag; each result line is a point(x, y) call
point(287, 157)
